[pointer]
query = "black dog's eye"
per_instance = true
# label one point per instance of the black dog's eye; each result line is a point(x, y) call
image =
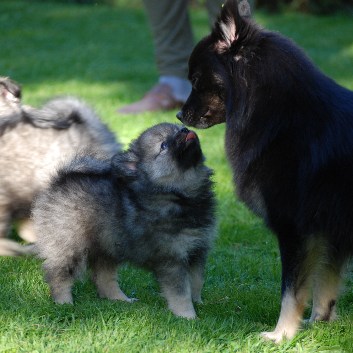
point(164, 145)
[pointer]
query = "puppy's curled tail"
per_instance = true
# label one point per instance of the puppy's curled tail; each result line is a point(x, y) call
point(59, 113)
point(11, 248)
point(64, 112)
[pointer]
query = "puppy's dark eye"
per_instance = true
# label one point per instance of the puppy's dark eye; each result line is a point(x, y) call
point(164, 145)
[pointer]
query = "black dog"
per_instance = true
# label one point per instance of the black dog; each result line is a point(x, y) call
point(289, 139)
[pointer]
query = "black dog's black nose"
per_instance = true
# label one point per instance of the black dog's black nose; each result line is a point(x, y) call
point(179, 115)
point(184, 130)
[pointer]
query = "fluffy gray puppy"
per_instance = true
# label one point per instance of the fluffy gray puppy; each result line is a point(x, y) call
point(33, 143)
point(152, 206)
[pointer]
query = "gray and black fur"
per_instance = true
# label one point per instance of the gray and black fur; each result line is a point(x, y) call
point(33, 143)
point(152, 206)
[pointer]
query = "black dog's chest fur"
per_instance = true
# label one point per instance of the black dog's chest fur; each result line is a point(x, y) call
point(265, 174)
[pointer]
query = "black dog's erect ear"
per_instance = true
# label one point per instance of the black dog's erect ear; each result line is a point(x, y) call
point(124, 166)
point(230, 23)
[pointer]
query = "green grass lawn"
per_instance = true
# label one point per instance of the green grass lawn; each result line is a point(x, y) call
point(105, 56)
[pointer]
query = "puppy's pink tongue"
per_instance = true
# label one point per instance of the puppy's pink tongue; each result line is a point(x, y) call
point(190, 136)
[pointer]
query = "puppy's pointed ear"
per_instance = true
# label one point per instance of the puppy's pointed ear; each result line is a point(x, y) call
point(124, 166)
point(9, 89)
point(230, 23)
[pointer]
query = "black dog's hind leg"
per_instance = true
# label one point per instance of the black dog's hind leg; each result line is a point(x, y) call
point(299, 260)
point(326, 288)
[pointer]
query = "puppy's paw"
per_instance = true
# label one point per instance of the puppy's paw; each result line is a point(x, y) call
point(131, 300)
point(322, 317)
point(186, 314)
point(113, 292)
point(122, 297)
point(62, 295)
point(62, 301)
point(274, 336)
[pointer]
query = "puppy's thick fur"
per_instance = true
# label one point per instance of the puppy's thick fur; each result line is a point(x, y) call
point(33, 143)
point(289, 139)
point(153, 206)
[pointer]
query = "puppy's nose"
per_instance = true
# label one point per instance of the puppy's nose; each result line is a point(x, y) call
point(179, 115)
point(184, 130)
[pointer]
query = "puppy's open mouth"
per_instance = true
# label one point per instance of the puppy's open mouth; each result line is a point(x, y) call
point(188, 151)
point(190, 136)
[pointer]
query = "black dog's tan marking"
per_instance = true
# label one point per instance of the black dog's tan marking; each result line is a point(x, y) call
point(289, 139)
point(152, 205)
